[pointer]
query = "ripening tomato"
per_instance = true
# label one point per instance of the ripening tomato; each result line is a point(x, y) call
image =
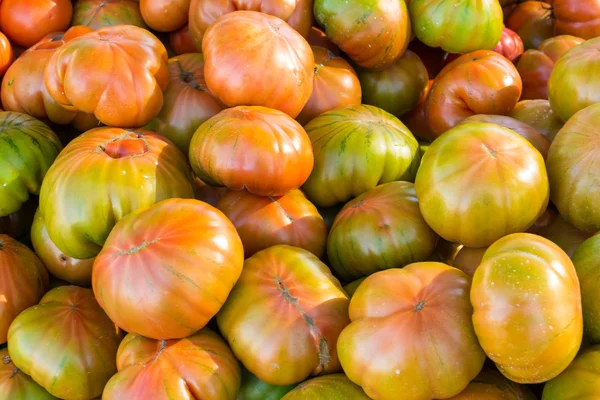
point(510, 45)
point(416, 120)
point(317, 37)
point(565, 235)
point(587, 263)
point(578, 18)
point(14, 384)
point(579, 381)
point(181, 41)
point(539, 114)
point(432, 58)
point(98, 14)
point(327, 387)
point(468, 259)
point(7, 55)
point(165, 15)
point(532, 21)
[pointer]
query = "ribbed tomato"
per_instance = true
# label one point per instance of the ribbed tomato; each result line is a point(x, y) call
point(481, 82)
point(14, 384)
point(328, 387)
point(23, 281)
point(510, 45)
point(380, 229)
point(579, 381)
point(532, 21)
point(200, 366)
point(234, 69)
point(372, 33)
point(81, 75)
point(125, 170)
point(479, 182)
point(7, 55)
point(335, 85)
point(398, 88)
point(409, 325)
point(98, 14)
point(587, 263)
point(263, 222)
point(66, 343)
point(165, 15)
point(579, 18)
point(284, 315)
point(539, 114)
point(181, 41)
point(491, 385)
point(28, 148)
point(533, 333)
point(267, 152)
point(357, 148)
point(253, 388)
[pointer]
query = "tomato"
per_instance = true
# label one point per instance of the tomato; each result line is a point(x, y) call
point(510, 45)
point(263, 222)
point(165, 15)
point(380, 229)
point(28, 148)
point(372, 33)
point(357, 148)
point(537, 139)
point(532, 21)
point(457, 27)
point(335, 85)
point(579, 381)
point(398, 88)
point(7, 55)
point(200, 366)
point(481, 82)
point(328, 387)
point(23, 88)
point(586, 260)
point(187, 101)
point(132, 96)
point(479, 182)
point(181, 41)
point(491, 385)
point(432, 58)
point(98, 14)
point(271, 163)
point(206, 193)
point(577, 18)
point(539, 114)
point(253, 388)
point(316, 37)
point(284, 315)
point(565, 235)
point(533, 333)
point(468, 259)
point(66, 343)
point(125, 170)
point(409, 325)
point(572, 160)
point(535, 66)
point(416, 120)
point(25, 22)
point(23, 281)
point(14, 384)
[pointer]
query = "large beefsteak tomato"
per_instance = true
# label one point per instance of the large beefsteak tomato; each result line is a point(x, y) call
point(532, 21)
point(538, 113)
point(576, 17)
point(587, 263)
point(15, 385)
point(328, 387)
point(98, 14)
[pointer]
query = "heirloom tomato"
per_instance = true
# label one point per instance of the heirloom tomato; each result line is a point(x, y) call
point(563, 234)
point(316, 37)
point(539, 114)
point(181, 41)
point(510, 45)
point(98, 14)
point(328, 387)
point(432, 58)
point(532, 21)
point(165, 15)
point(580, 381)
point(587, 263)
point(7, 55)
point(576, 17)
point(468, 259)
point(416, 120)
point(15, 385)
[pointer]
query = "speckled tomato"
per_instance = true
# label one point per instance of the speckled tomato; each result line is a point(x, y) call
point(284, 315)
point(28, 148)
point(98, 14)
point(398, 88)
point(253, 388)
point(408, 325)
point(481, 82)
point(533, 333)
point(23, 281)
point(357, 148)
point(200, 366)
point(577, 18)
point(181, 41)
point(328, 387)
point(271, 163)
point(457, 27)
point(481, 172)
point(335, 85)
point(572, 160)
point(7, 55)
point(510, 45)
point(380, 229)
point(532, 21)
point(125, 170)
point(187, 104)
point(14, 384)
point(587, 262)
point(539, 114)
point(66, 343)
point(491, 385)
point(165, 15)
point(580, 381)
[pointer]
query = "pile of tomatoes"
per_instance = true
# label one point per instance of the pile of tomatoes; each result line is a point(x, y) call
point(299, 199)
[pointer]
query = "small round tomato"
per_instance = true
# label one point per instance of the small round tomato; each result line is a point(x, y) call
point(165, 15)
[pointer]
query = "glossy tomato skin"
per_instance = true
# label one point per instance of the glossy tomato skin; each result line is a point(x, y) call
point(177, 246)
point(579, 381)
point(457, 27)
point(181, 41)
point(380, 229)
point(200, 366)
point(27, 150)
point(407, 325)
point(129, 99)
point(357, 148)
point(571, 168)
point(539, 114)
point(14, 384)
point(335, 85)
point(577, 18)
point(23, 281)
point(510, 45)
point(25, 22)
point(491, 385)
point(98, 14)
point(398, 88)
point(253, 388)
point(481, 82)
point(284, 315)
point(479, 182)
point(126, 170)
point(532, 334)
point(372, 33)
point(187, 101)
point(57, 343)
point(165, 15)
point(241, 159)
point(586, 263)
point(7, 55)
point(263, 222)
point(328, 387)
point(532, 21)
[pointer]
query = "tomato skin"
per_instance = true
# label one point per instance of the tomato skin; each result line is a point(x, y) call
point(200, 366)
point(532, 21)
point(579, 380)
point(14, 384)
point(372, 33)
point(539, 114)
point(577, 18)
point(7, 55)
point(416, 120)
point(510, 45)
point(530, 338)
point(165, 15)
point(284, 315)
point(380, 229)
point(481, 82)
point(57, 342)
point(586, 263)
point(457, 27)
point(327, 387)
point(98, 14)
point(491, 385)
point(316, 37)
point(437, 335)
point(181, 41)
point(464, 179)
